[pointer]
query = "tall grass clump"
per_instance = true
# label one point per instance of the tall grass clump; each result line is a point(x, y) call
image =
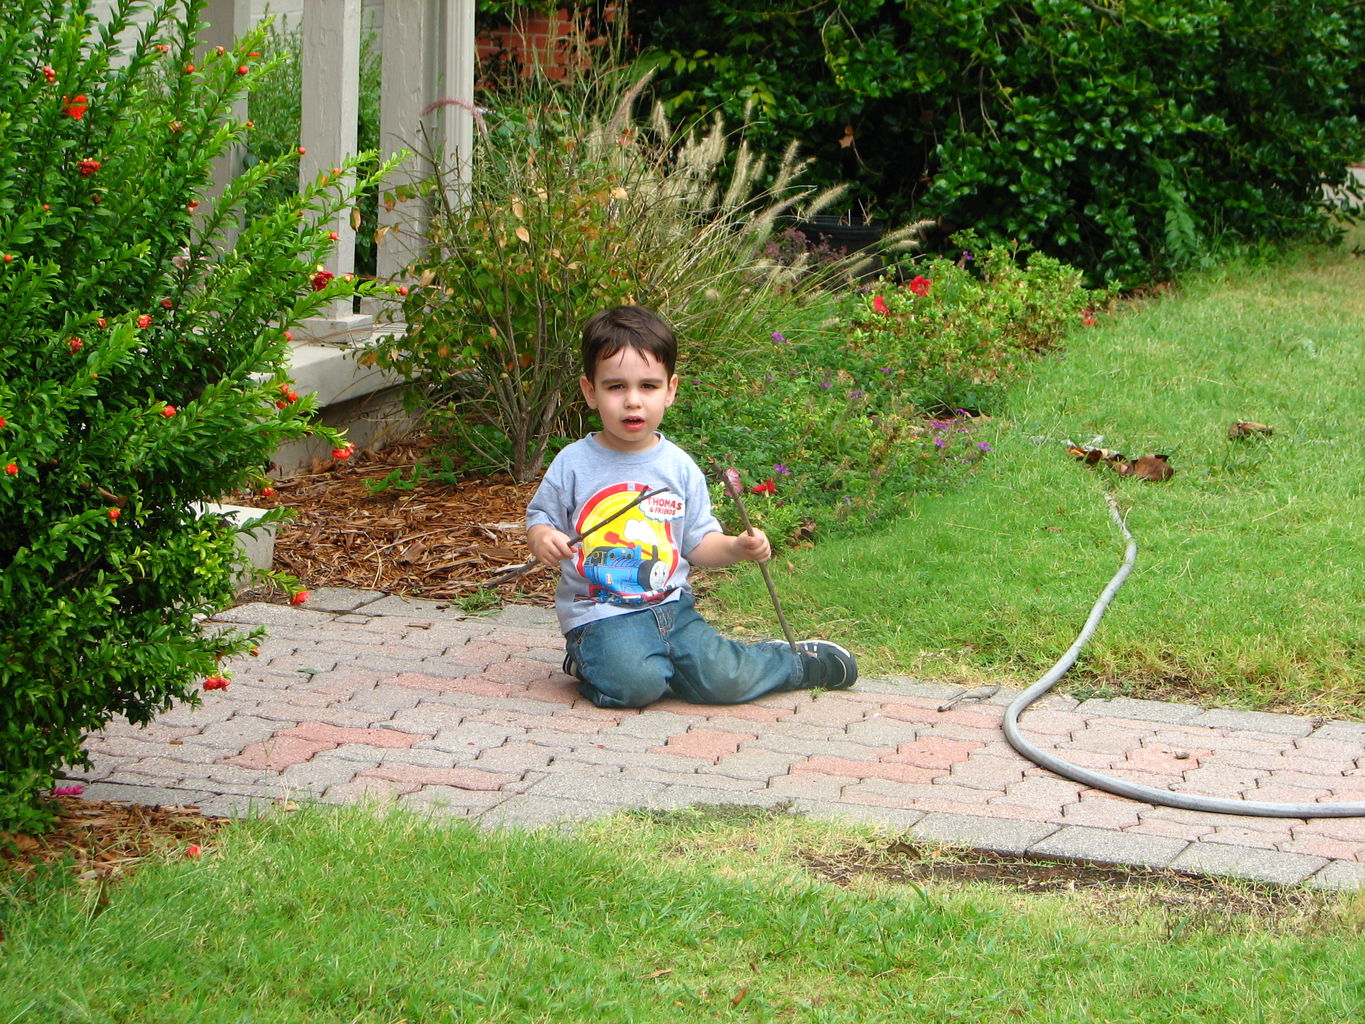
point(577, 203)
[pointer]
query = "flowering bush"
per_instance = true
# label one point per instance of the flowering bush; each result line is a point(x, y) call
point(838, 420)
point(144, 367)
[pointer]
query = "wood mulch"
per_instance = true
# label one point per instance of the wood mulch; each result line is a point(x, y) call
point(428, 539)
point(98, 840)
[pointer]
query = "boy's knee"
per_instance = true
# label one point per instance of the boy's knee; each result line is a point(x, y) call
point(624, 686)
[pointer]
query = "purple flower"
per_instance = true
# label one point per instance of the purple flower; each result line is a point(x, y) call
point(826, 385)
point(939, 424)
point(781, 470)
point(940, 443)
point(885, 369)
point(857, 393)
point(778, 337)
point(966, 256)
point(984, 446)
point(770, 378)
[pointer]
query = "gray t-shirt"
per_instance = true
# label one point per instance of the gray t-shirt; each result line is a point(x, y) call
point(638, 558)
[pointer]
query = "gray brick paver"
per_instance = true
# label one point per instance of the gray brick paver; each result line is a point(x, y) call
point(1242, 862)
point(1108, 846)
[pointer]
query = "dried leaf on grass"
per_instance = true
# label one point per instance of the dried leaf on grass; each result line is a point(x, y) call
point(1154, 467)
point(1248, 428)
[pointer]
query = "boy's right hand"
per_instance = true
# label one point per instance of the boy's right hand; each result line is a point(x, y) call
point(549, 545)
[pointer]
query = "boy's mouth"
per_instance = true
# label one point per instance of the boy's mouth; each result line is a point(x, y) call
point(634, 421)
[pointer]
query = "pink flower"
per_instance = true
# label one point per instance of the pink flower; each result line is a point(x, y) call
point(879, 304)
point(919, 285)
point(74, 789)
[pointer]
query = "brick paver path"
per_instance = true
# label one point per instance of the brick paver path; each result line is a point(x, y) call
point(358, 696)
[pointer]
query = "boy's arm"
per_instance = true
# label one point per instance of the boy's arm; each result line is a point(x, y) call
point(718, 549)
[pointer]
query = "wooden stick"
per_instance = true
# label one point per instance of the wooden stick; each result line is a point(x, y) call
point(735, 488)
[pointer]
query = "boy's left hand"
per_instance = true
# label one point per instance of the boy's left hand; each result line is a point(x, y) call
point(753, 547)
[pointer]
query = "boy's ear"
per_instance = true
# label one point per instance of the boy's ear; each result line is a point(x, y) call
point(672, 390)
point(589, 392)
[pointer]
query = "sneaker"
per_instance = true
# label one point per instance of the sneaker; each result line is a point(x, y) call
point(824, 664)
point(571, 667)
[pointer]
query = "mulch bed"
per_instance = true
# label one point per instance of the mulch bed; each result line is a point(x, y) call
point(431, 539)
point(99, 840)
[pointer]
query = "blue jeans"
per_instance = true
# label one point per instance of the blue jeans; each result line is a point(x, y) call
point(633, 659)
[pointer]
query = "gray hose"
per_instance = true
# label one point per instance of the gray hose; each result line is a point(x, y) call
point(1146, 794)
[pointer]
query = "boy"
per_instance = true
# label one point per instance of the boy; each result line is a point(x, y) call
point(642, 506)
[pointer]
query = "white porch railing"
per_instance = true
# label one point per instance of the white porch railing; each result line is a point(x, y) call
point(427, 53)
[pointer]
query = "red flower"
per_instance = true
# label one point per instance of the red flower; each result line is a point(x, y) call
point(879, 304)
point(167, 304)
point(766, 487)
point(919, 285)
point(101, 322)
point(215, 683)
point(299, 598)
point(169, 411)
point(9, 258)
point(189, 69)
point(49, 73)
point(11, 469)
point(75, 345)
point(114, 514)
point(321, 279)
point(267, 492)
point(343, 453)
point(302, 151)
point(145, 320)
point(1088, 317)
point(74, 109)
point(333, 235)
point(3, 423)
point(193, 850)
point(88, 167)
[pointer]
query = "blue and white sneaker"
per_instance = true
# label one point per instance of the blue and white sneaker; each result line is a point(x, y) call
point(824, 664)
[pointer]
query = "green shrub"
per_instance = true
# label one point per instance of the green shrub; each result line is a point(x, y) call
point(1130, 140)
point(144, 368)
point(575, 206)
point(871, 396)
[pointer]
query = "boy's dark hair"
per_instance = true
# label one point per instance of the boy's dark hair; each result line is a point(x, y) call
point(644, 330)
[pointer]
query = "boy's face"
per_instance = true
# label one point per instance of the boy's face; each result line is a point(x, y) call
point(630, 391)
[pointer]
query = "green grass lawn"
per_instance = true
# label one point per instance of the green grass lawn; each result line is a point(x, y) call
point(339, 916)
point(1247, 590)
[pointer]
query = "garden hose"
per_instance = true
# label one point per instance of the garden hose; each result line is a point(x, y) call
point(1146, 794)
